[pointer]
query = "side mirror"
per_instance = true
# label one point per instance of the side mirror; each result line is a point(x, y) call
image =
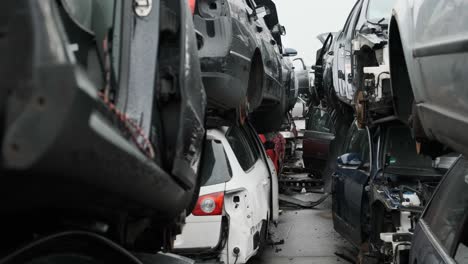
point(289, 52)
point(349, 161)
point(261, 11)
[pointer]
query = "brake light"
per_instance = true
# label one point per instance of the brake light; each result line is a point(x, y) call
point(192, 4)
point(210, 204)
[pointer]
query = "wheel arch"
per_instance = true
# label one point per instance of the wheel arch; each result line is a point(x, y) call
point(401, 86)
point(256, 79)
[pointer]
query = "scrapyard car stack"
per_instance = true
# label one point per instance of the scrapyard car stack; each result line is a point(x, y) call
point(102, 131)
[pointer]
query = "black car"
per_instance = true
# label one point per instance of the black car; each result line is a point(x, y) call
point(380, 187)
point(360, 67)
point(441, 234)
point(241, 58)
point(101, 129)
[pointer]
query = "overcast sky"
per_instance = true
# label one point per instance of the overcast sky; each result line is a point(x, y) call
point(306, 19)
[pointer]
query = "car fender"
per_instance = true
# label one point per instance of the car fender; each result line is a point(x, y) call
point(403, 14)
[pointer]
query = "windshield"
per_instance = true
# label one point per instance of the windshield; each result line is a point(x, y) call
point(379, 9)
point(400, 152)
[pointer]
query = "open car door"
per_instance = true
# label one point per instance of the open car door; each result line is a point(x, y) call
point(317, 138)
point(349, 181)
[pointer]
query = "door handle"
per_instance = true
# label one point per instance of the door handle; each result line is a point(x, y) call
point(265, 182)
point(341, 46)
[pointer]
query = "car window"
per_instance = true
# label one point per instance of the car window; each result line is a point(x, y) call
point(400, 149)
point(215, 167)
point(253, 141)
point(448, 208)
point(357, 142)
point(241, 148)
point(379, 9)
point(320, 121)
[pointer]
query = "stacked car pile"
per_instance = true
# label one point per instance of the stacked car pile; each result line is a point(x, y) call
point(400, 76)
point(116, 115)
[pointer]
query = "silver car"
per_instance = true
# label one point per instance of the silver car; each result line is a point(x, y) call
point(428, 57)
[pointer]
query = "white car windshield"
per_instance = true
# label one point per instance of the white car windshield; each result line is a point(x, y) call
point(379, 10)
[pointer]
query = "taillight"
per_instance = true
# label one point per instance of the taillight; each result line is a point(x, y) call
point(210, 204)
point(192, 4)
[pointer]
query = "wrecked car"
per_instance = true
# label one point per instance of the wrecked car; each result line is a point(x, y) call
point(289, 79)
point(103, 129)
point(323, 81)
point(428, 66)
point(380, 188)
point(240, 60)
point(440, 235)
point(361, 77)
point(238, 199)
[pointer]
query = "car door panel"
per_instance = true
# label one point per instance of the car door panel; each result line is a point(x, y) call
point(349, 187)
point(316, 145)
point(350, 184)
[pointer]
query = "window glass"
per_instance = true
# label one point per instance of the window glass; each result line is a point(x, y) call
point(358, 142)
point(241, 148)
point(215, 168)
point(400, 149)
point(379, 9)
point(447, 210)
point(319, 121)
point(253, 141)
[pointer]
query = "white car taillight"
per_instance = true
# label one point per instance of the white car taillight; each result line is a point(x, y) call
point(192, 4)
point(210, 204)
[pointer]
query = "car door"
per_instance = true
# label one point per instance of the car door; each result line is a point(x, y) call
point(272, 193)
point(349, 181)
point(271, 55)
point(250, 188)
point(317, 139)
point(343, 54)
point(442, 233)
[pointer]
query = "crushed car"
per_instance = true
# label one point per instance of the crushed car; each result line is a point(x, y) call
point(381, 186)
point(241, 61)
point(428, 73)
point(238, 200)
point(440, 235)
point(361, 76)
point(103, 130)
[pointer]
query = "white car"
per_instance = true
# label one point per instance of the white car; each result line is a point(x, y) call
point(238, 199)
